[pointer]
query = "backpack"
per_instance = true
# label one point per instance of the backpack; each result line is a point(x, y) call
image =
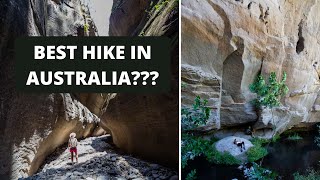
point(73, 142)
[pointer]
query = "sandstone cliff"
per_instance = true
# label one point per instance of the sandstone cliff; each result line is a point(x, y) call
point(34, 125)
point(226, 43)
point(150, 122)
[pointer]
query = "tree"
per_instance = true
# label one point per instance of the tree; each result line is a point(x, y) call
point(196, 116)
point(269, 94)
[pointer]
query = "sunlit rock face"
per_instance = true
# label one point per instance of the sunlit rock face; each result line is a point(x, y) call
point(226, 43)
point(33, 125)
point(147, 125)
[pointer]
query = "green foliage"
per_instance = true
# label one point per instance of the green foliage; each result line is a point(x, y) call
point(259, 173)
point(295, 137)
point(196, 116)
point(213, 155)
point(312, 175)
point(257, 151)
point(184, 85)
point(163, 3)
point(275, 138)
point(269, 94)
point(192, 175)
point(259, 141)
point(86, 27)
point(193, 146)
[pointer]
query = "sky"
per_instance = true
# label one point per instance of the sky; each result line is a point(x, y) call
point(100, 11)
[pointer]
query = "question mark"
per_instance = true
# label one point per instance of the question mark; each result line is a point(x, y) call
point(155, 76)
point(136, 75)
point(146, 75)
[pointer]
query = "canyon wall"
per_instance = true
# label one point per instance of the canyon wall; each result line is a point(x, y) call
point(147, 125)
point(34, 125)
point(227, 43)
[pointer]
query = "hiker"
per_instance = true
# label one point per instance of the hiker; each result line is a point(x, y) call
point(239, 144)
point(249, 131)
point(72, 145)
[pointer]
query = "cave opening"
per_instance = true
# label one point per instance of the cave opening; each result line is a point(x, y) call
point(233, 68)
point(300, 42)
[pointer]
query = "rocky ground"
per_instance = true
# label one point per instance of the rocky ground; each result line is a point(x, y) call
point(99, 160)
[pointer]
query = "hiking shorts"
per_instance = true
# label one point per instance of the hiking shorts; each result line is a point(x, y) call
point(73, 149)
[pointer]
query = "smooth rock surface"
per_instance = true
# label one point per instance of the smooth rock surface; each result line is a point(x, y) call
point(232, 41)
point(34, 125)
point(147, 125)
point(226, 145)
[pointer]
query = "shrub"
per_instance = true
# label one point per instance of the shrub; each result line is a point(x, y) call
point(192, 175)
point(259, 141)
point(196, 116)
point(275, 138)
point(192, 146)
point(195, 146)
point(257, 151)
point(294, 137)
point(257, 172)
point(86, 28)
point(221, 157)
point(312, 175)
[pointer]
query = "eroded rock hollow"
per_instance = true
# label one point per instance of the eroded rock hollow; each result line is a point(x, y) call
point(227, 43)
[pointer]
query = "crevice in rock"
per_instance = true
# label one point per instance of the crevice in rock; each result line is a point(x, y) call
point(68, 5)
point(300, 43)
point(39, 21)
point(249, 5)
point(241, 1)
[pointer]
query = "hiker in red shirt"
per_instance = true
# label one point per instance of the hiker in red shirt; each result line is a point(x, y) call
point(73, 142)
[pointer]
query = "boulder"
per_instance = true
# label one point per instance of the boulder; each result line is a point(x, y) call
point(226, 145)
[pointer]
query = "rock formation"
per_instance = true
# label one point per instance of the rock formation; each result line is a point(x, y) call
point(226, 145)
point(226, 43)
point(99, 161)
point(145, 124)
point(34, 125)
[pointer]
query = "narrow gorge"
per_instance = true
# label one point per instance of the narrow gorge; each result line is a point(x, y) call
point(35, 127)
